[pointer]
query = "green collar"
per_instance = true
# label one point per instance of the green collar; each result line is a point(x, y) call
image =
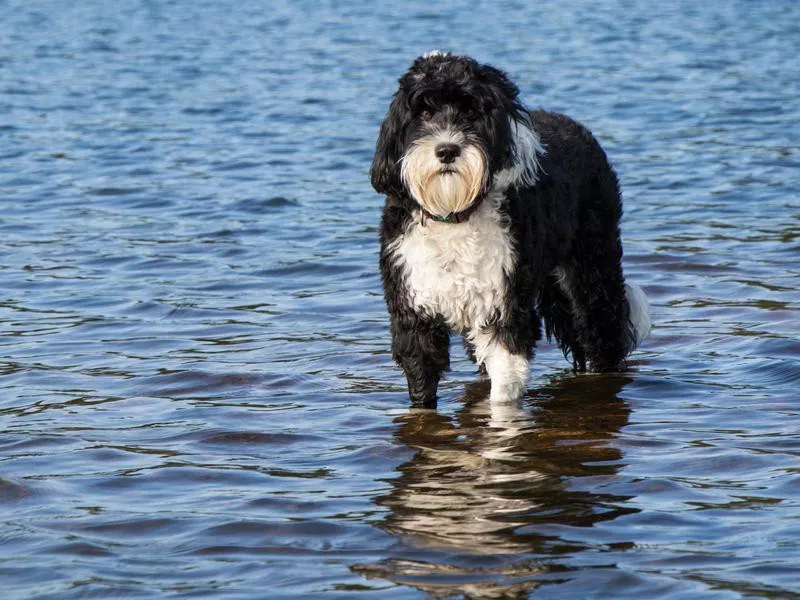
point(456, 217)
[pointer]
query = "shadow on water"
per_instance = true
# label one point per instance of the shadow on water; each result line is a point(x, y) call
point(482, 488)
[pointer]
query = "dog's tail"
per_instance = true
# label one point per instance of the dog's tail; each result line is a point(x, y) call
point(640, 323)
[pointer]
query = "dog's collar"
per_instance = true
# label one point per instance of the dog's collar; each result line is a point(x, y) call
point(454, 217)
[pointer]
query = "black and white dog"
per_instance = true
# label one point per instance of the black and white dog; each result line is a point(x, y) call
point(497, 219)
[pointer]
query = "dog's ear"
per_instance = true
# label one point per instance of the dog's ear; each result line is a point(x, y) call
point(503, 97)
point(502, 90)
point(385, 170)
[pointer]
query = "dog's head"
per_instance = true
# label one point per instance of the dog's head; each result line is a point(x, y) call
point(455, 129)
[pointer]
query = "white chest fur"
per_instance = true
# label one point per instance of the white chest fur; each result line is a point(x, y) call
point(458, 270)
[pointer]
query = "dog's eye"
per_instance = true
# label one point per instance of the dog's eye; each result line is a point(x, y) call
point(471, 114)
point(426, 115)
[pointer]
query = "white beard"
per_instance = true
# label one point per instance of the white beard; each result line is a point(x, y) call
point(444, 193)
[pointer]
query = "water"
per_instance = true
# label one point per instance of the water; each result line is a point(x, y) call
point(197, 396)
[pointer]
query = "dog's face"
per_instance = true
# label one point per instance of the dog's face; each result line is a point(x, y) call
point(450, 128)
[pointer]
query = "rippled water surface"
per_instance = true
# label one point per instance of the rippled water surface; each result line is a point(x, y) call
point(197, 393)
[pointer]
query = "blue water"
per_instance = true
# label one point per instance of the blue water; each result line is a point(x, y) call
point(197, 394)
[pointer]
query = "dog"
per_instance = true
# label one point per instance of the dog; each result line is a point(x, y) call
point(497, 220)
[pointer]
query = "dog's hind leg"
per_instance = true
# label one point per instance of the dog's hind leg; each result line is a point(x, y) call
point(592, 279)
point(556, 310)
point(600, 313)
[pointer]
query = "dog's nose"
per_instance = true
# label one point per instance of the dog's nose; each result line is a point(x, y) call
point(447, 152)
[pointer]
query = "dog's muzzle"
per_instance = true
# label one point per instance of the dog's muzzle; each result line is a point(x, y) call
point(445, 172)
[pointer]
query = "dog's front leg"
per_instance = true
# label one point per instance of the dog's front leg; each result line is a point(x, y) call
point(507, 370)
point(422, 348)
point(508, 373)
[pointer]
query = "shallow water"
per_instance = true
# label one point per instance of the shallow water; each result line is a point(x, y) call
point(197, 396)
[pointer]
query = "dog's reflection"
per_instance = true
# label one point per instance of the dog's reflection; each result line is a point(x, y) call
point(494, 482)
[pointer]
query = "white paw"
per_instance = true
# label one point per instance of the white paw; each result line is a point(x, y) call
point(508, 372)
point(504, 392)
